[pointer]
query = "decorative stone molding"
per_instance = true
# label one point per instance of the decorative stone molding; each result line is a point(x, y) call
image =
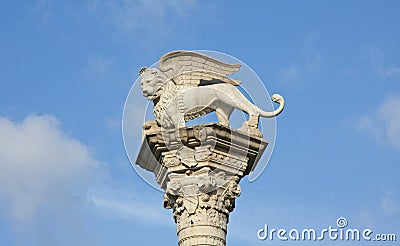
point(200, 168)
point(191, 148)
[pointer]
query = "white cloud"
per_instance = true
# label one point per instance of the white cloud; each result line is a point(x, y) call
point(41, 168)
point(137, 19)
point(312, 56)
point(389, 202)
point(313, 62)
point(392, 71)
point(145, 212)
point(147, 16)
point(377, 60)
point(309, 63)
point(98, 66)
point(132, 204)
point(44, 7)
point(384, 123)
point(289, 75)
point(113, 123)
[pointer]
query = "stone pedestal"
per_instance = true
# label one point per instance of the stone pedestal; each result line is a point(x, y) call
point(199, 168)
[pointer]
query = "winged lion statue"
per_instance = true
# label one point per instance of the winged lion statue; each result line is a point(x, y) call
point(187, 85)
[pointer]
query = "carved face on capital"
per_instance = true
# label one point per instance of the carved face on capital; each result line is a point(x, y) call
point(151, 80)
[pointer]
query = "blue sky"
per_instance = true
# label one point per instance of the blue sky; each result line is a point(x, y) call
point(67, 67)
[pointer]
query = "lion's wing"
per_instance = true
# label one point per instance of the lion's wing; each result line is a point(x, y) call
point(191, 68)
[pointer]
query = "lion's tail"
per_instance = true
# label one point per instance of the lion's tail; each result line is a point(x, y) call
point(278, 99)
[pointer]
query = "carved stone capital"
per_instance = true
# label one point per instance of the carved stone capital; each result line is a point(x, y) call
point(201, 204)
point(200, 168)
point(202, 189)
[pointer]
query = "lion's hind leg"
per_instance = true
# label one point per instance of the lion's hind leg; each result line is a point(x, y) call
point(251, 127)
point(223, 115)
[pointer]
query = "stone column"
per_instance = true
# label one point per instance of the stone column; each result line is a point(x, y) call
point(199, 168)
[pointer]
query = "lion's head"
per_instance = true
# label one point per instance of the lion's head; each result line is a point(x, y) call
point(151, 81)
